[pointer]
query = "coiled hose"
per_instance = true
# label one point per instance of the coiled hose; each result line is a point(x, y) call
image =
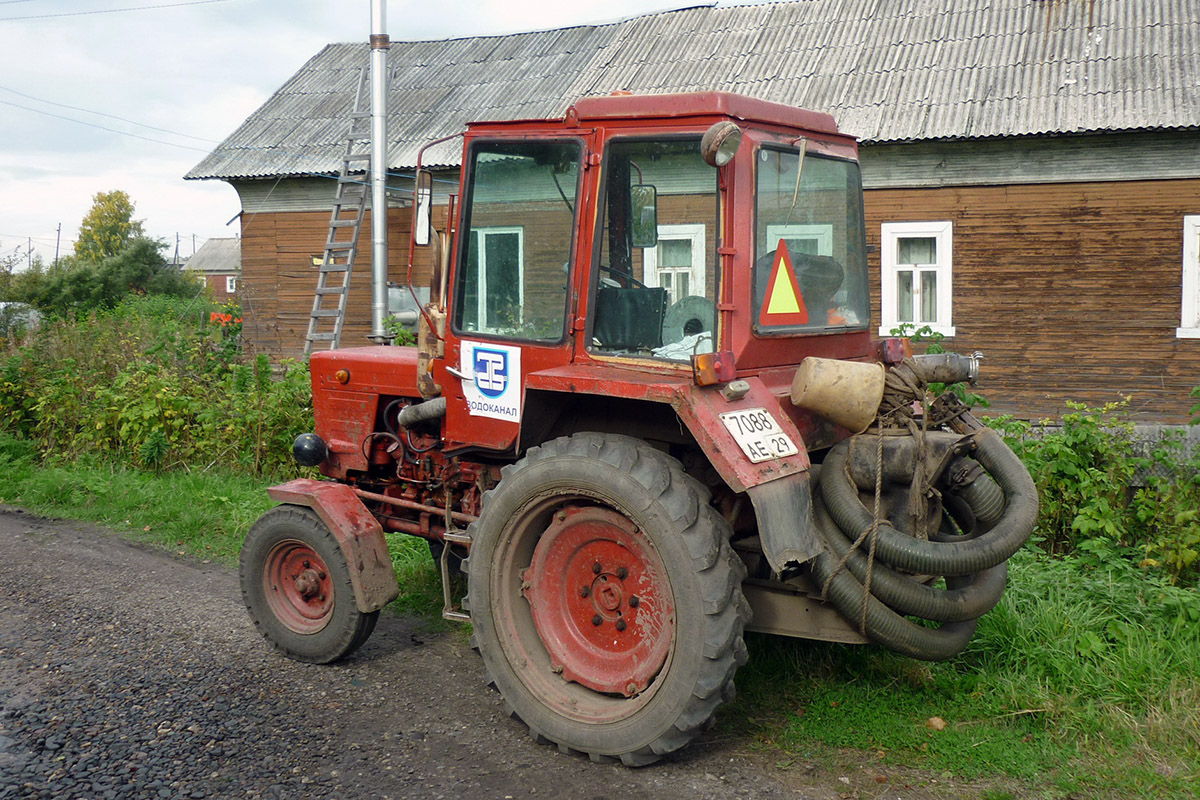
point(1001, 506)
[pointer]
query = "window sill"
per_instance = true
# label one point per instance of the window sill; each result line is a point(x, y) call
point(944, 330)
point(1187, 333)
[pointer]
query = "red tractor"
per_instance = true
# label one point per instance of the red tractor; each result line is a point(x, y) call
point(645, 414)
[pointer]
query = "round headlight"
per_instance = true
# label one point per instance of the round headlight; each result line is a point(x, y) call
point(720, 142)
point(309, 450)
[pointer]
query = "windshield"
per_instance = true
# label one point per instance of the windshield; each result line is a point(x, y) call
point(655, 292)
point(810, 268)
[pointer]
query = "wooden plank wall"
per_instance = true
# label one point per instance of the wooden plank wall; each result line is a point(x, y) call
point(278, 278)
point(1072, 291)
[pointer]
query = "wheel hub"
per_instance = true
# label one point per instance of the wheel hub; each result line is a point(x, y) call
point(601, 601)
point(298, 587)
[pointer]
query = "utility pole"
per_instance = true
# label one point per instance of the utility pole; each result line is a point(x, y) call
point(379, 241)
point(57, 241)
point(29, 255)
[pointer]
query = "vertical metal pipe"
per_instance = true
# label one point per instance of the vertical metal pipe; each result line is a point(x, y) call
point(379, 240)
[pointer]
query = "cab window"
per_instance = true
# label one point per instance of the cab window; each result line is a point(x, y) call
point(654, 294)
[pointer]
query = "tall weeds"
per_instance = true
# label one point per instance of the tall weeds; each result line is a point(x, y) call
point(156, 384)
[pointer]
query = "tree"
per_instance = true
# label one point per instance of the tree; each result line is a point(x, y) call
point(138, 269)
point(108, 227)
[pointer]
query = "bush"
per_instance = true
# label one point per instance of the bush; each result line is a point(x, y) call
point(1085, 471)
point(155, 384)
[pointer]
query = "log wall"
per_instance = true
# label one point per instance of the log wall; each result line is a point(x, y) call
point(1071, 290)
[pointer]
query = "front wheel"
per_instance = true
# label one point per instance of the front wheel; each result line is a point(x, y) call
point(605, 598)
point(297, 589)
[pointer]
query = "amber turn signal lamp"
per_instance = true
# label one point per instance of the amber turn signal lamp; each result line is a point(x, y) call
point(713, 368)
point(342, 376)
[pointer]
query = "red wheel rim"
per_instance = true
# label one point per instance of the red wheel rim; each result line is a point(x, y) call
point(601, 601)
point(298, 587)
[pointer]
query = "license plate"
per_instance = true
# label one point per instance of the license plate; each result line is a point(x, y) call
point(758, 434)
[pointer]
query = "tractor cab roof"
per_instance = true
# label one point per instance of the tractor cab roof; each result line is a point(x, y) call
point(689, 106)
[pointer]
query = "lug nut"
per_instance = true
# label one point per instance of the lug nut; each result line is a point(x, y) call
point(631, 688)
point(321, 575)
point(584, 591)
point(634, 601)
point(596, 620)
point(622, 573)
point(306, 564)
point(621, 625)
point(596, 568)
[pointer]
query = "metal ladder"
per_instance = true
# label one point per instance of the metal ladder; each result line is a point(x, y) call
point(350, 201)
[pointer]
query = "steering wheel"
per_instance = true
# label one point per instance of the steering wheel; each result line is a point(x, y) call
point(623, 276)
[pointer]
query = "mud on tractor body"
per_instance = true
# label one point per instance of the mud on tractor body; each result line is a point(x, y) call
point(644, 415)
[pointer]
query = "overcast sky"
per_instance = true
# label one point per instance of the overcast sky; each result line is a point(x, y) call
point(181, 76)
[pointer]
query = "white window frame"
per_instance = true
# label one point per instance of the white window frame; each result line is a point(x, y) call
point(481, 320)
point(890, 235)
point(230, 284)
point(693, 232)
point(823, 233)
point(1189, 319)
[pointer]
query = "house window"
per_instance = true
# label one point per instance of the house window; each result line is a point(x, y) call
point(495, 296)
point(230, 284)
point(677, 264)
point(916, 259)
point(1189, 323)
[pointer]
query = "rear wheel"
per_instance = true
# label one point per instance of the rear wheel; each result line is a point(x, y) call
point(605, 598)
point(297, 589)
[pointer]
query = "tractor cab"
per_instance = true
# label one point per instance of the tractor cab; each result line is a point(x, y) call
point(662, 235)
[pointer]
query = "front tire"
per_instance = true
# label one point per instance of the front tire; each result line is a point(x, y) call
point(605, 598)
point(297, 590)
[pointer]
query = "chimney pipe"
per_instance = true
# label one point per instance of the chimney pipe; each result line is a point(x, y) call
point(379, 240)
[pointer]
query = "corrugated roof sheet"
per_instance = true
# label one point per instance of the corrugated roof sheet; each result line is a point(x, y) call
point(900, 70)
point(217, 255)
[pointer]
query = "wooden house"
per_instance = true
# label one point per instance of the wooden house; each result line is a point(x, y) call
point(219, 263)
point(1031, 167)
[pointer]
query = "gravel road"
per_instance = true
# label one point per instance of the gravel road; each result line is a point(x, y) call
point(127, 672)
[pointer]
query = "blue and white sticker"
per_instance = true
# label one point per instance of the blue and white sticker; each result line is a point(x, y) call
point(492, 387)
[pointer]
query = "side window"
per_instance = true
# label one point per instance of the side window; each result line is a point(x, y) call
point(1189, 323)
point(518, 227)
point(230, 284)
point(916, 268)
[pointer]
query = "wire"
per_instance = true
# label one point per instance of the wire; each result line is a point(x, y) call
point(110, 116)
point(111, 10)
point(103, 128)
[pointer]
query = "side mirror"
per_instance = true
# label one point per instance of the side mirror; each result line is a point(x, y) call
point(720, 143)
point(422, 223)
point(643, 210)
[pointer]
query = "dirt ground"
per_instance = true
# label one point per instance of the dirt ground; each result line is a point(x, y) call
point(127, 671)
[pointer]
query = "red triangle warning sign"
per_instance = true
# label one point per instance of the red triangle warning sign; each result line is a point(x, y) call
point(783, 303)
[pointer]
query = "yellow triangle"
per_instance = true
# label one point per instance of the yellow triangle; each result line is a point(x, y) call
point(783, 299)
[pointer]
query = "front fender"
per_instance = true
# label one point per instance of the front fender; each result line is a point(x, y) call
point(358, 533)
point(778, 488)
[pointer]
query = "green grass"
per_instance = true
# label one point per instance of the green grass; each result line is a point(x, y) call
point(203, 514)
point(1080, 681)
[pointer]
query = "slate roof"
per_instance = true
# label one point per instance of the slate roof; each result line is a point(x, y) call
point(219, 256)
point(888, 70)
